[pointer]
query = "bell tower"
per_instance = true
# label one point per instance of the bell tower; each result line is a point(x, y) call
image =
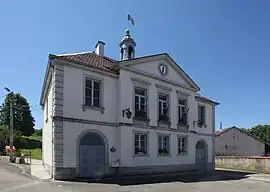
point(127, 47)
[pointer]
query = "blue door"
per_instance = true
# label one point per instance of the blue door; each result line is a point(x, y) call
point(92, 157)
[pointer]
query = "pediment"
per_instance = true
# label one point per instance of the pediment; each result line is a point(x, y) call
point(161, 66)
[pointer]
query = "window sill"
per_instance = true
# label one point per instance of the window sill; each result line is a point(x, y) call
point(203, 125)
point(139, 120)
point(137, 155)
point(165, 124)
point(182, 154)
point(164, 155)
point(101, 109)
point(183, 127)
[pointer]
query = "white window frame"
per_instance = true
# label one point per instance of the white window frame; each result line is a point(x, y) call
point(162, 102)
point(180, 114)
point(146, 144)
point(101, 104)
point(180, 145)
point(141, 84)
point(199, 114)
point(164, 144)
point(140, 97)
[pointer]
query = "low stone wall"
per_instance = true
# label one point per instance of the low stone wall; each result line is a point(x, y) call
point(260, 164)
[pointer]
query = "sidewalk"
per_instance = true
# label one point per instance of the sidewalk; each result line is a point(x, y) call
point(36, 168)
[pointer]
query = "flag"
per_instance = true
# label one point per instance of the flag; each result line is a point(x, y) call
point(131, 19)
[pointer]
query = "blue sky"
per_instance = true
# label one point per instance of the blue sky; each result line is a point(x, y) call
point(223, 45)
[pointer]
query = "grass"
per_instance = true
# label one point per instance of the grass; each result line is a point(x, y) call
point(35, 153)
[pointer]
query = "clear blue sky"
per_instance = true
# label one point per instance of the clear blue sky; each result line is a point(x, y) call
point(223, 45)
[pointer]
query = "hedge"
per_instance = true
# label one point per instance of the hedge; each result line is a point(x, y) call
point(27, 143)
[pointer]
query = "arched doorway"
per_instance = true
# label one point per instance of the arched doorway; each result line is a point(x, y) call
point(91, 155)
point(201, 155)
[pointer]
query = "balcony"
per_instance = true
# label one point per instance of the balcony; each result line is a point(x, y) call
point(141, 118)
point(164, 121)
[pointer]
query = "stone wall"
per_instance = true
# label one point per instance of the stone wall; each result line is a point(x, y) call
point(260, 164)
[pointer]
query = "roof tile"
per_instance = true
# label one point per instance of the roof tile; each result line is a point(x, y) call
point(90, 59)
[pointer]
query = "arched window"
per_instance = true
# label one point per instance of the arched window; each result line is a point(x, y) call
point(121, 53)
point(130, 51)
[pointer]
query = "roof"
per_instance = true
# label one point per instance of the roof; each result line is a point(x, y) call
point(90, 59)
point(166, 56)
point(219, 133)
point(93, 60)
point(206, 99)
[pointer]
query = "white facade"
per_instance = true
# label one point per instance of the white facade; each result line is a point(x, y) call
point(70, 118)
point(232, 141)
point(47, 133)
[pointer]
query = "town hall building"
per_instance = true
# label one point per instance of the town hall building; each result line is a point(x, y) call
point(136, 115)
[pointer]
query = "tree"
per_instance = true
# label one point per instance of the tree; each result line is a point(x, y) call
point(38, 132)
point(260, 131)
point(23, 119)
point(4, 135)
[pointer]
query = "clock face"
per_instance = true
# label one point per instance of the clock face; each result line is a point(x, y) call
point(163, 69)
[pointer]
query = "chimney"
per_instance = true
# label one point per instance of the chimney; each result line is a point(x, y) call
point(100, 48)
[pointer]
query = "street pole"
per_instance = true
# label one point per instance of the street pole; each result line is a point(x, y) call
point(11, 130)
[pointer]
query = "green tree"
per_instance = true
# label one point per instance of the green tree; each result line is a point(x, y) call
point(4, 135)
point(23, 119)
point(260, 131)
point(38, 132)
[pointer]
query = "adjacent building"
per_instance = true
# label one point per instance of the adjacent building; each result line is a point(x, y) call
point(138, 115)
point(234, 141)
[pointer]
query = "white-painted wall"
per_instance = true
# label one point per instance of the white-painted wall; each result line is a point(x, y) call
point(74, 95)
point(242, 144)
point(118, 95)
point(127, 151)
point(73, 130)
point(126, 96)
point(153, 68)
point(47, 130)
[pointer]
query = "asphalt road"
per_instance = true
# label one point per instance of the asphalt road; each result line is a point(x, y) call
point(11, 180)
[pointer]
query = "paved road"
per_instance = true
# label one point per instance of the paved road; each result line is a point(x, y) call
point(12, 180)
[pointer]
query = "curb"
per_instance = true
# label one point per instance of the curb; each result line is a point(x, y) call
point(262, 180)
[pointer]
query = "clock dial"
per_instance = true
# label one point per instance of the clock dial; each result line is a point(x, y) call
point(163, 69)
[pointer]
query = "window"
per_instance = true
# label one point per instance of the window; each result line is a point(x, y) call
point(130, 52)
point(140, 144)
point(163, 145)
point(92, 93)
point(122, 52)
point(201, 115)
point(140, 103)
point(182, 145)
point(182, 111)
point(163, 107)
